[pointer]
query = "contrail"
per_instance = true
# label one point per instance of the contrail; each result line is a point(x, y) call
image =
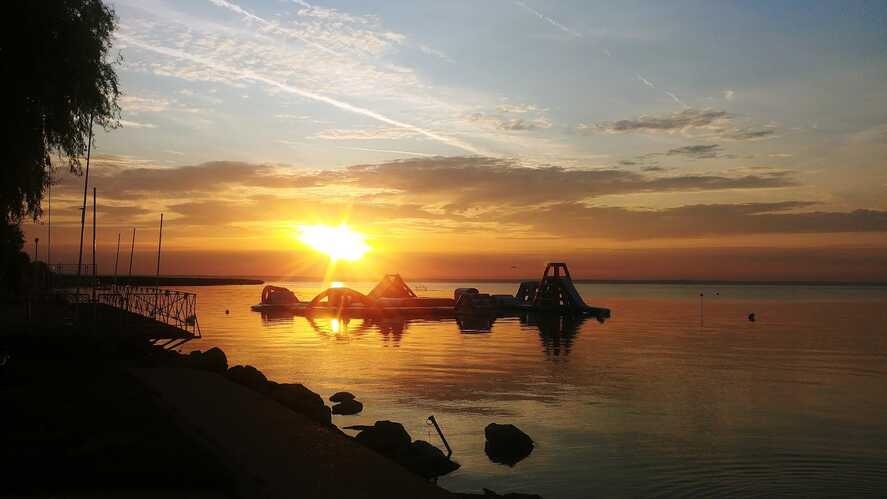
point(250, 75)
point(646, 81)
point(252, 17)
point(675, 98)
point(548, 19)
point(602, 49)
point(666, 92)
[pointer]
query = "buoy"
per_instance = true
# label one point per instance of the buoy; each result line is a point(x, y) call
point(227, 312)
point(751, 317)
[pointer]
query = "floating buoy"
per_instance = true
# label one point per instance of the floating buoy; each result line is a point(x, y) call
point(227, 311)
point(751, 317)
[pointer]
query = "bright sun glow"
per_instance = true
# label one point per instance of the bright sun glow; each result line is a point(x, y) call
point(340, 243)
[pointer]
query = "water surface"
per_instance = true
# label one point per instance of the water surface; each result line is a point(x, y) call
point(675, 395)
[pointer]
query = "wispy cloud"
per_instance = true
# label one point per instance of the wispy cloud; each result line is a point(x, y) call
point(135, 124)
point(243, 74)
point(700, 123)
point(365, 134)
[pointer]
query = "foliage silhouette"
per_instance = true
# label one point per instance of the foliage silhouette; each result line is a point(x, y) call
point(59, 80)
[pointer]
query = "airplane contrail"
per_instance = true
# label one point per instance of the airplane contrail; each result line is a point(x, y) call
point(252, 17)
point(606, 52)
point(548, 19)
point(251, 75)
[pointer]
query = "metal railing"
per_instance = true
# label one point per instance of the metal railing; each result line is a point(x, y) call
point(168, 306)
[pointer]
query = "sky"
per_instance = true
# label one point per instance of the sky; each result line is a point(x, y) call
point(638, 140)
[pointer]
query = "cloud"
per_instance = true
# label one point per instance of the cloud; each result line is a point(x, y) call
point(575, 219)
point(478, 181)
point(135, 124)
point(671, 122)
point(699, 123)
point(133, 104)
point(516, 108)
point(699, 151)
point(501, 122)
point(365, 134)
point(440, 195)
point(246, 74)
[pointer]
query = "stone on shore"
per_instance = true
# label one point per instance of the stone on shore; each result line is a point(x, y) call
point(426, 460)
point(341, 396)
point(506, 444)
point(249, 377)
point(302, 400)
point(385, 437)
point(488, 494)
point(348, 407)
point(213, 360)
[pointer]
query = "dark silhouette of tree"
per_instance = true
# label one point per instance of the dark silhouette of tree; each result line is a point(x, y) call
point(59, 78)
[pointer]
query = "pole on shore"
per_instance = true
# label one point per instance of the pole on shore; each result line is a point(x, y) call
point(157, 288)
point(116, 258)
point(83, 207)
point(93, 244)
point(159, 243)
point(49, 228)
point(132, 249)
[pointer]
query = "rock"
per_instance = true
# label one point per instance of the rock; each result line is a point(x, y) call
point(426, 460)
point(506, 444)
point(302, 400)
point(347, 407)
point(385, 437)
point(249, 377)
point(487, 494)
point(341, 396)
point(215, 360)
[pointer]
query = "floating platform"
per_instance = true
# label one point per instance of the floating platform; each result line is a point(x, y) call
point(554, 293)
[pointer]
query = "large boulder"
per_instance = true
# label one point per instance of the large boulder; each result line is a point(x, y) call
point(348, 407)
point(426, 460)
point(302, 400)
point(385, 437)
point(215, 360)
point(341, 396)
point(506, 444)
point(249, 377)
point(489, 494)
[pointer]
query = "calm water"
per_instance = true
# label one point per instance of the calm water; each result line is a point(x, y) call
point(650, 403)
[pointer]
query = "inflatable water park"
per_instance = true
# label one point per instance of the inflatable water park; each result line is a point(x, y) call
point(553, 293)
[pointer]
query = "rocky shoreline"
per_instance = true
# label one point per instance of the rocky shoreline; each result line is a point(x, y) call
point(195, 405)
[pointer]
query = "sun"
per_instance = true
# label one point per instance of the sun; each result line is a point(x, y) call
point(340, 243)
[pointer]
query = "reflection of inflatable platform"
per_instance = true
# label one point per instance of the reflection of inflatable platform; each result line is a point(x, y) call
point(554, 293)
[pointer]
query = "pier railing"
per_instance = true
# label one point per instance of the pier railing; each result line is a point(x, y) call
point(168, 306)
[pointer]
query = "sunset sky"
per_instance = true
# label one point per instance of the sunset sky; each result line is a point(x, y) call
point(634, 140)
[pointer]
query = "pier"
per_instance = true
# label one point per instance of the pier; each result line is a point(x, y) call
point(68, 305)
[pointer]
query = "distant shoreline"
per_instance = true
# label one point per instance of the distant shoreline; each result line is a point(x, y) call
point(180, 281)
point(703, 282)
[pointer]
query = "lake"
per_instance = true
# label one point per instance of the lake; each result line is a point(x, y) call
point(673, 396)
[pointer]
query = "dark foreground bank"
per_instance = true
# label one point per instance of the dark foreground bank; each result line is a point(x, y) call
point(89, 416)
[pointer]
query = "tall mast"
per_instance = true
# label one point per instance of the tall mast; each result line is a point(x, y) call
point(131, 250)
point(83, 207)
